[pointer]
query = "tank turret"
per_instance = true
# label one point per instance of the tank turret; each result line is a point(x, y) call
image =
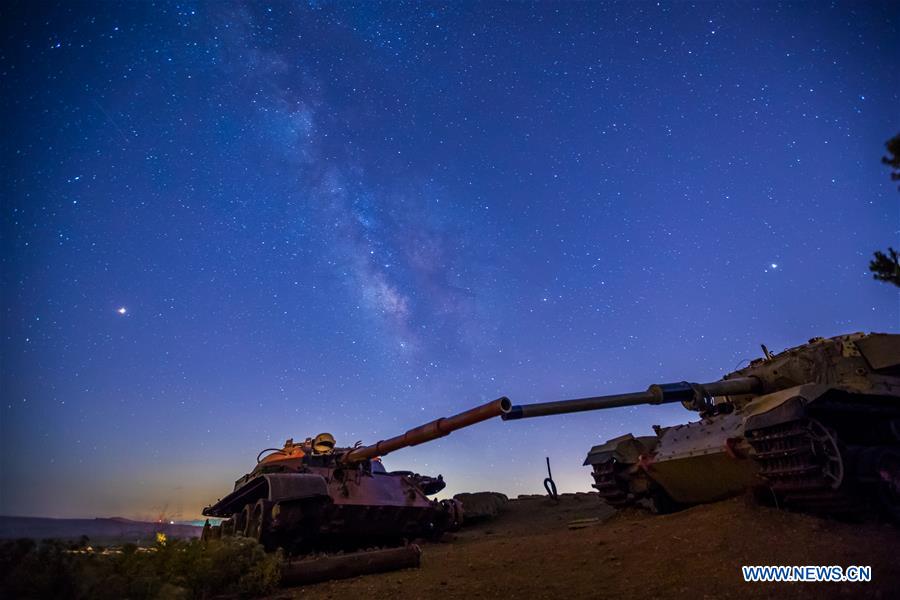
point(816, 427)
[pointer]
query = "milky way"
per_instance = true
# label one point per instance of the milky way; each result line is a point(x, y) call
point(229, 224)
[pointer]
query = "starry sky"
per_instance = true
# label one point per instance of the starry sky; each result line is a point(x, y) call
point(228, 224)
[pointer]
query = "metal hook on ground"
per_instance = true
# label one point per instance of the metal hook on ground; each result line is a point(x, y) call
point(549, 484)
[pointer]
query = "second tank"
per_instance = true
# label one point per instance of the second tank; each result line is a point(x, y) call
point(816, 428)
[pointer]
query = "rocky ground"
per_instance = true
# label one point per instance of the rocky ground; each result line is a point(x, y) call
point(529, 551)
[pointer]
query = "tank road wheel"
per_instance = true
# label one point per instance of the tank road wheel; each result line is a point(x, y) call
point(227, 527)
point(825, 449)
point(260, 523)
point(243, 520)
point(237, 526)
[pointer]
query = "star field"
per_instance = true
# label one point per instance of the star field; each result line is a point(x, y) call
point(228, 224)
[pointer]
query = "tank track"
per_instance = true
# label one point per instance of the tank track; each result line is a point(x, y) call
point(608, 487)
point(316, 524)
point(804, 467)
point(834, 465)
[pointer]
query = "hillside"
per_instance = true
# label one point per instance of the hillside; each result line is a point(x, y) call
point(529, 552)
point(105, 531)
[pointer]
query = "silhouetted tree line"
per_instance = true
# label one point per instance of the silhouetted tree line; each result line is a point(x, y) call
point(886, 267)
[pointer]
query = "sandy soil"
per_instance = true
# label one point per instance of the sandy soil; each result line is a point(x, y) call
point(529, 552)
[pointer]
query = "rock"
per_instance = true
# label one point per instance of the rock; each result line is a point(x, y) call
point(481, 505)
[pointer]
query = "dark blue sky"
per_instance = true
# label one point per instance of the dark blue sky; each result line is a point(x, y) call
point(358, 218)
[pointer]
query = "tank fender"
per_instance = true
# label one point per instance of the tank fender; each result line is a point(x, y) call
point(782, 406)
point(625, 449)
point(294, 486)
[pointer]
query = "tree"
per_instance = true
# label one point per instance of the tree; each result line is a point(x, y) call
point(893, 147)
point(886, 267)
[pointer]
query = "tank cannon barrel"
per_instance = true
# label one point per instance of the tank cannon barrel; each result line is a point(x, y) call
point(656, 394)
point(430, 431)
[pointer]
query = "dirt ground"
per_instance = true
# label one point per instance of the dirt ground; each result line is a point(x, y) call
point(529, 552)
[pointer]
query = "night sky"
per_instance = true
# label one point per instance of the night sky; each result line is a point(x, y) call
point(224, 225)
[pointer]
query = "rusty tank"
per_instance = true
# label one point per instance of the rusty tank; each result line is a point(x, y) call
point(814, 428)
point(314, 495)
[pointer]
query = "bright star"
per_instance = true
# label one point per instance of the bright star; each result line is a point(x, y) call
point(122, 310)
point(774, 265)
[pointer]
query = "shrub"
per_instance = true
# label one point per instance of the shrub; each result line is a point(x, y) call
point(175, 569)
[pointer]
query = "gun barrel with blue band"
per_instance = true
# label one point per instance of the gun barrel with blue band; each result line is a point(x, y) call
point(664, 393)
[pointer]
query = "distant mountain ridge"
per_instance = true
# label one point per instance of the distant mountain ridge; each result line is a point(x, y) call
point(99, 530)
